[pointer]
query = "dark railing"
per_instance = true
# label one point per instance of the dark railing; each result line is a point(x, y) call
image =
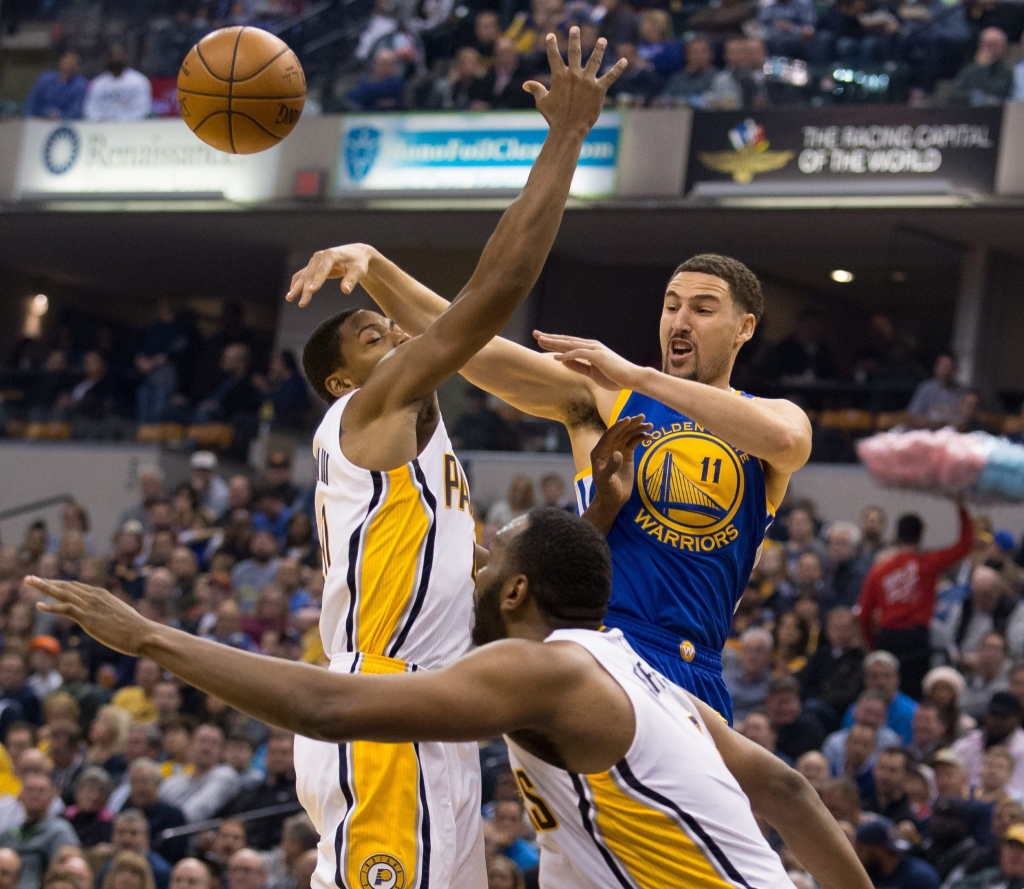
point(187, 830)
point(35, 505)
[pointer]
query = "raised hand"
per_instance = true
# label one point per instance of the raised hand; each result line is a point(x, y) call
point(101, 614)
point(577, 94)
point(612, 459)
point(590, 358)
point(349, 262)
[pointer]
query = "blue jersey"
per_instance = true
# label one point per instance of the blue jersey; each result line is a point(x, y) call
point(686, 541)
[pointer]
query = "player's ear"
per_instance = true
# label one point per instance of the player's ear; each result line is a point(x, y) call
point(514, 593)
point(338, 385)
point(747, 325)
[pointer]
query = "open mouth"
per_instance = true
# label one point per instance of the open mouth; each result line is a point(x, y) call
point(679, 350)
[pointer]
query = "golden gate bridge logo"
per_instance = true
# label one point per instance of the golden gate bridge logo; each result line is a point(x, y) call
point(691, 482)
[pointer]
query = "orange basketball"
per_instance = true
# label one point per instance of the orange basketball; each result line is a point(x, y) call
point(241, 90)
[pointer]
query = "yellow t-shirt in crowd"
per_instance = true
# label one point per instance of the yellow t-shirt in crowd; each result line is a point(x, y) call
point(134, 700)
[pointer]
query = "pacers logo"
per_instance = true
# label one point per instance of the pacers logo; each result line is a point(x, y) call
point(691, 482)
point(382, 872)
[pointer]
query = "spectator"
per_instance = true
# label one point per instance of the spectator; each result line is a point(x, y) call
point(1002, 726)
point(882, 674)
point(144, 778)
point(89, 815)
point(502, 86)
point(639, 83)
point(120, 93)
point(305, 865)
point(285, 388)
point(10, 865)
point(452, 92)
point(382, 24)
point(884, 857)
point(801, 538)
point(151, 489)
point(990, 673)
point(298, 836)
point(37, 841)
point(43, 652)
point(191, 873)
point(486, 31)
point(210, 784)
point(936, 401)
point(1009, 872)
point(108, 735)
point(210, 488)
point(987, 609)
point(616, 22)
point(276, 789)
point(13, 679)
point(695, 80)
point(874, 522)
point(898, 599)
point(927, 732)
point(848, 33)
point(749, 676)
point(507, 832)
point(757, 727)
point(93, 402)
point(950, 774)
point(890, 797)
point(788, 27)
point(944, 687)
point(253, 574)
point(68, 756)
point(383, 89)
point(949, 840)
point(792, 638)
point(503, 873)
point(521, 499)
point(870, 711)
point(658, 46)
point(814, 767)
point(858, 758)
point(234, 395)
point(798, 732)
point(246, 870)
point(842, 799)
point(163, 347)
point(846, 565)
point(834, 673)
point(552, 493)
point(228, 627)
point(137, 700)
point(129, 870)
point(479, 428)
point(996, 771)
point(60, 94)
point(988, 80)
point(131, 834)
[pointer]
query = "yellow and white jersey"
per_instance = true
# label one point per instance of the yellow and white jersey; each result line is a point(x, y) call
point(669, 814)
point(398, 552)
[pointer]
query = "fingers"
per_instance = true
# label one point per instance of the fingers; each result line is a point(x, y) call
point(559, 342)
point(59, 589)
point(575, 52)
point(315, 281)
point(353, 275)
point(612, 75)
point(537, 90)
point(554, 57)
point(596, 57)
point(580, 367)
point(61, 608)
point(294, 289)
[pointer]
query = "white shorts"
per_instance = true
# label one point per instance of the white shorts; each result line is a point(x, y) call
point(393, 816)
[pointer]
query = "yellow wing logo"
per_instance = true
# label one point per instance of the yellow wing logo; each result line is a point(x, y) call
point(745, 163)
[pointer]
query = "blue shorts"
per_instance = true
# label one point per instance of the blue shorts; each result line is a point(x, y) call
point(701, 674)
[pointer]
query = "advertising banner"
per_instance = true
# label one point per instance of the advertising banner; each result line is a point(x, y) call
point(144, 158)
point(888, 148)
point(482, 151)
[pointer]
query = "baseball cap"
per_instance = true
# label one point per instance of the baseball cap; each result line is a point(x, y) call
point(45, 643)
point(1014, 834)
point(947, 757)
point(1006, 703)
point(881, 832)
point(203, 460)
point(1004, 540)
point(279, 461)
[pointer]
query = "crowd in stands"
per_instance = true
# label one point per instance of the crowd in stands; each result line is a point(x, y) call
point(439, 55)
point(891, 676)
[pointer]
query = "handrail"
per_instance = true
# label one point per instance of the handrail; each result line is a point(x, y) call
point(36, 504)
point(302, 17)
point(212, 823)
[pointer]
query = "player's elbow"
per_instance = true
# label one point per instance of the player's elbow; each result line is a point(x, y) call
point(790, 446)
point(785, 795)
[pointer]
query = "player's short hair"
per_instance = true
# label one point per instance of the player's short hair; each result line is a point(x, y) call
point(567, 563)
point(322, 353)
point(743, 284)
point(909, 529)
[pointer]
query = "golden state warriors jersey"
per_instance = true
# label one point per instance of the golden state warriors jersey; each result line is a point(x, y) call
point(686, 541)
point(668, 814)
point(398, 552)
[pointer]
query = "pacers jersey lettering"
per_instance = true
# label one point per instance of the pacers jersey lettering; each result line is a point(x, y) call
point(684, 544)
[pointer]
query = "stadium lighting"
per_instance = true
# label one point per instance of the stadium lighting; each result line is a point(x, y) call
point(841, 276)
point(40, 304)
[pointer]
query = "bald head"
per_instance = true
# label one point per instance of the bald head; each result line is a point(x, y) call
point(246, 870)
point(10, 867)
point(190, 873)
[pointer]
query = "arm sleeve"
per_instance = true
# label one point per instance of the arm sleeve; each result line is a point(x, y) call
point(870, 599)
point(75, 108)
point(142, 103)
point(90, 107)
point(941, 559)
point(32, 101)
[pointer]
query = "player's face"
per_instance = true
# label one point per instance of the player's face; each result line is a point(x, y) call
point(368, 338)
point(701, 328)
point(489, 625)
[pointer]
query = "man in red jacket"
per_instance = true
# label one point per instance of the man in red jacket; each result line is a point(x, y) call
point(898, 597)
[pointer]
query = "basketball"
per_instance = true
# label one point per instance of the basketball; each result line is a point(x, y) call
point(241, 90)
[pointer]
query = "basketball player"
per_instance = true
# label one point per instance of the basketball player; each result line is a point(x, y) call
point(708, 480)
point(628, 780)
point(397, 533)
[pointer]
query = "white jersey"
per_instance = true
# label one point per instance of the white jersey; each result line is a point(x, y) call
point(669, 814)
point(398, 551)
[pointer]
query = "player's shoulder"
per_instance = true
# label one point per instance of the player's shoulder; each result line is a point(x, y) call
point(546, 663)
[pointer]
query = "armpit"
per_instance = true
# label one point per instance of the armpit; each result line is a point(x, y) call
point(583, 415)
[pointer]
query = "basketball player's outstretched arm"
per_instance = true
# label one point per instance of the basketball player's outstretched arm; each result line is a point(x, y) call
point(508, 686)
point(773, 430)
point(515, 253)
point(786, 800)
